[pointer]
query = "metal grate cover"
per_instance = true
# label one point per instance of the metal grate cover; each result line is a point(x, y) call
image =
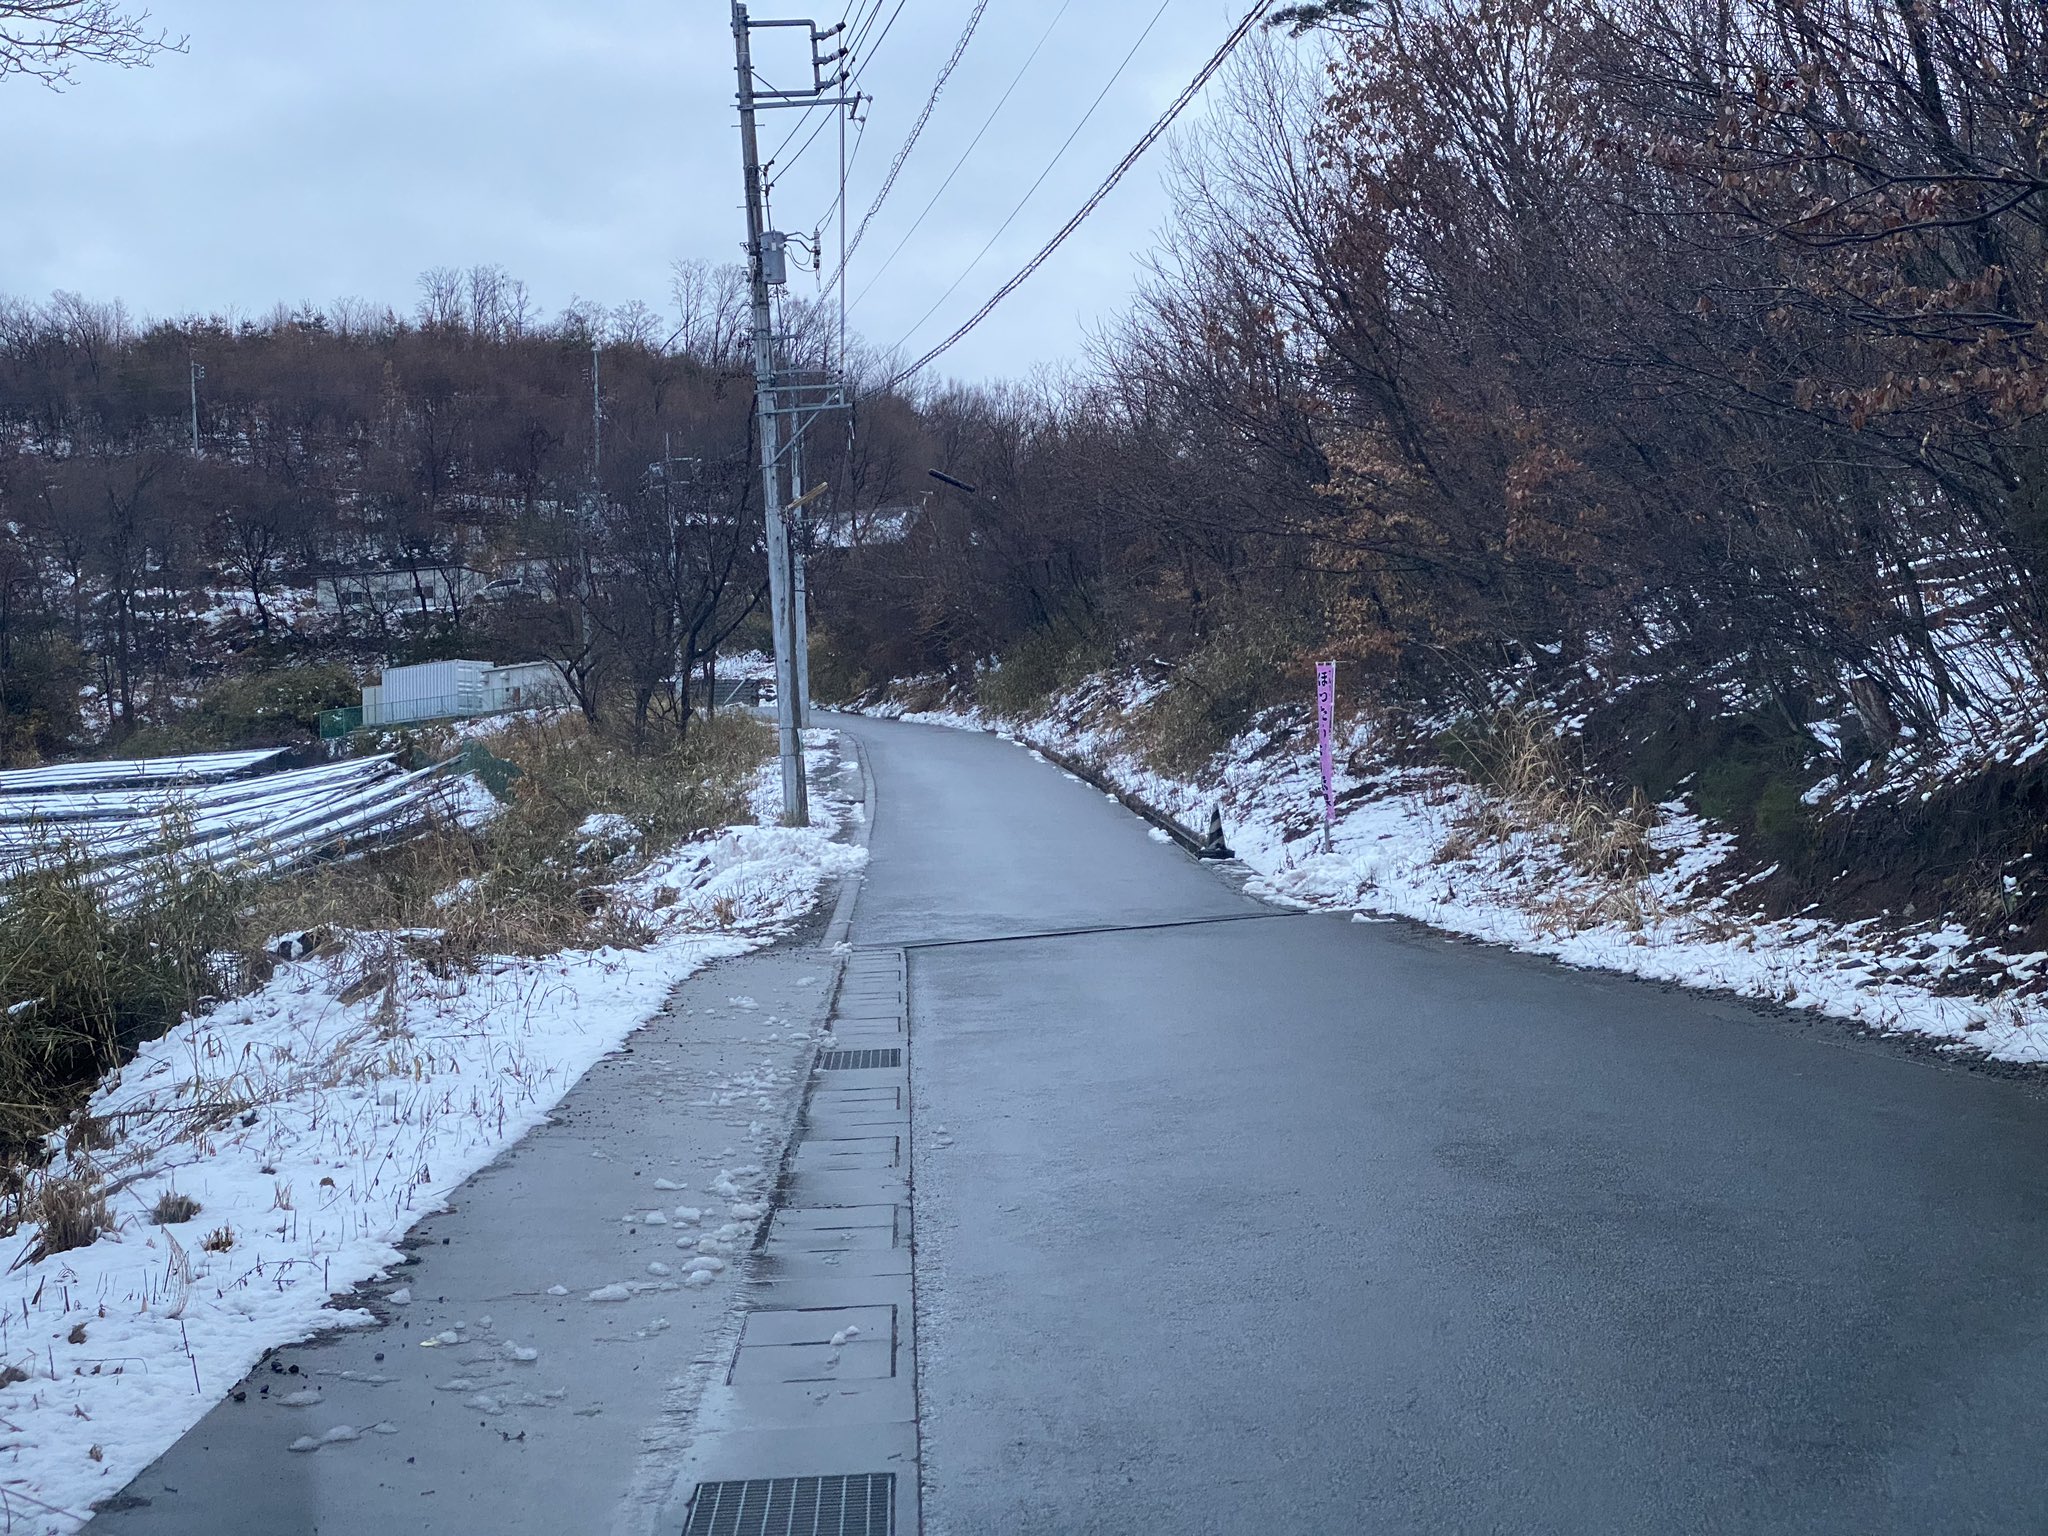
point(863, 1504)
point(859, 1061)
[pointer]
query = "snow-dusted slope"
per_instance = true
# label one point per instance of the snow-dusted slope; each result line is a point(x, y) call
point(1393, 854)
point(314, 1133)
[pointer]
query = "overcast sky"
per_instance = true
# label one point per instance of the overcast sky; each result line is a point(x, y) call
point(301, 153)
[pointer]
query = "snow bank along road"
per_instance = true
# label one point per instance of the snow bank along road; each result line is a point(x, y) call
point(1226, 1220)
point(1235, 1221)
point(525, 1364)
point(537, 1347)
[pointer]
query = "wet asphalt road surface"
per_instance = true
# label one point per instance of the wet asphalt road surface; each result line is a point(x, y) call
point(1281, 1223)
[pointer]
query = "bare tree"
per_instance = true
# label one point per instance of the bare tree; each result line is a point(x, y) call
point(711, 303)
point(47, 40)
point(444, 299)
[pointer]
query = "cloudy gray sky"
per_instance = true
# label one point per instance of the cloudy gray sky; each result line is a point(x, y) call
point(305, 152)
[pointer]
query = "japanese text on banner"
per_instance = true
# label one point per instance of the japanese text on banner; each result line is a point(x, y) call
point(1326, 720)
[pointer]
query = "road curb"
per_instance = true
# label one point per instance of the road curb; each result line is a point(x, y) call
point(841, 923)
point(1188, 839)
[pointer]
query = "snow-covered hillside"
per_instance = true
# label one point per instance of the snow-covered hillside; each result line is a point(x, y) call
point(1404, 845)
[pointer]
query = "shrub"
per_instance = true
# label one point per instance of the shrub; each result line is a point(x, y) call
point(84, 982)
point(269, 708)
point(1785, 825)
point(1215, 692)
point(39, 691)
point(272, 707)
point(837, 676)
point(1037, 667)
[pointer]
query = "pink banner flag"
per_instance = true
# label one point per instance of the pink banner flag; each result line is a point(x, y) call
point(1326, 721)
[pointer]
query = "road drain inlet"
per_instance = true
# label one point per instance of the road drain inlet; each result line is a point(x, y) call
point(861, 1061)
point(863, 1504)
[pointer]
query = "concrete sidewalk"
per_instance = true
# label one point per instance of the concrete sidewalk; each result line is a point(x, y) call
point(470, 1436)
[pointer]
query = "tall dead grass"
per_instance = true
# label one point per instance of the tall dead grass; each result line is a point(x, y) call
point(1536, 789)
point(83, 983)
point(530, 882)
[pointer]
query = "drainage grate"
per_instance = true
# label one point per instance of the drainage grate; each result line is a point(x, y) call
point(861, 1505)
point(859, 1061)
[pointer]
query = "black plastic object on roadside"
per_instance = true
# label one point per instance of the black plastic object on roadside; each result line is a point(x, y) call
point(1213, 846)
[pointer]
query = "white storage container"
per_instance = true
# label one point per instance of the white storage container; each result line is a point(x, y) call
point(523, 685)
point(432, 690)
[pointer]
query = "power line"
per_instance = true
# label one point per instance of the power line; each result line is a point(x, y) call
point(860, 137)
point(859, 41)
point(987, 123)
point(802, 118)
point(815, 131)
point(1165, 121)
point(1030, 191)
point(916, 128)
point(855, 29)
point(855, 63)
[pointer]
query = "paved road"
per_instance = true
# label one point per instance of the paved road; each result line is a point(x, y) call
point(1287, 1224)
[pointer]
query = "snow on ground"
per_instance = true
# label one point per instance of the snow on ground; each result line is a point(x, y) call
point(1394, 853)
point(743, 665)
point(315, 1132)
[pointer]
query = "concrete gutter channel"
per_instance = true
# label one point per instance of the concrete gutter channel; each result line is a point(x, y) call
point(1188, 839)
point(812, 1426)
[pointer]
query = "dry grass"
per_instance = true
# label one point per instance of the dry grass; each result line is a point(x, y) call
point(172, 1208)
point(1535, 790)
point(82, 986)
point(530, 883)
point(922, 693)
point(68, 1213)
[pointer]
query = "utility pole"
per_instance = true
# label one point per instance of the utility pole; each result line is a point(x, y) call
point(197, 373)
point(776, 397)
point(796, 808)
point(799, 608)
point(767, 265)
point(596, 420)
